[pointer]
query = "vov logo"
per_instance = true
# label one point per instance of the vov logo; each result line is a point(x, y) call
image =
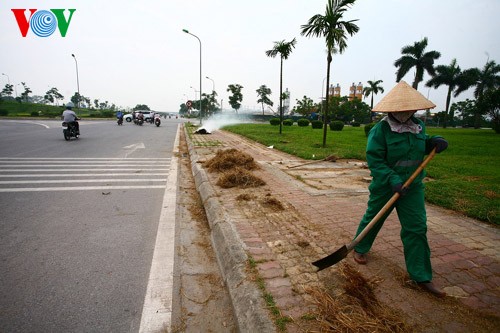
point(43, 23)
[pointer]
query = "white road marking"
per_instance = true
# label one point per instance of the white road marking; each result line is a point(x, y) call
point(67, 165)
point(79, 188)
point(135, 146)
point(157, 310)
point(75, 175)
point(88, 158)
point(28, 122)
point(34, 174)
point(70, 170)
point(61, 181)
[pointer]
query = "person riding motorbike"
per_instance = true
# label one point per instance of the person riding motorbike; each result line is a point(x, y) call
point(140, 116)
point(69, 116)
point(119, 116)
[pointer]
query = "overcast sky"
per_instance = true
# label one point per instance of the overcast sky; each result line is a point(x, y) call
point(135, 52)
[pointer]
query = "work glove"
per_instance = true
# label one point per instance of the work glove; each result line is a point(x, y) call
point(440, 144)
point(398, 188)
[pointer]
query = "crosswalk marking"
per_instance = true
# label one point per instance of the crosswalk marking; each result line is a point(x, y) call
point(59, 181)
point(35, 174)
point(87, 158)
point(74, 169)
point(78, 188)
point(144, 174)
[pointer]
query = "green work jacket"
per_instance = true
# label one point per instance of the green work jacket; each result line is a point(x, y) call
point(393, 157)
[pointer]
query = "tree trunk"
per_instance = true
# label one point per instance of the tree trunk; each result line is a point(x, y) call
point(281, 93)
point(479, 111)
point(419, 74)
point(446, 116)
point(325, 114)
point(371, 110)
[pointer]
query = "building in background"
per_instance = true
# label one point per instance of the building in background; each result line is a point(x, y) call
point(356, 91)
point(286, 102)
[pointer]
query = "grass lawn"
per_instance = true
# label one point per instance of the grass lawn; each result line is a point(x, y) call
point(466, 177)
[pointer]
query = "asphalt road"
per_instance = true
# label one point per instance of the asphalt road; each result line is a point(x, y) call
point(78, 222)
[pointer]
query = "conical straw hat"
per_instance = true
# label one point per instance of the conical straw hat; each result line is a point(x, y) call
point(401, 98)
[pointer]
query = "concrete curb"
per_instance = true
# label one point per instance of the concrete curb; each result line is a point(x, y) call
point(246, 298)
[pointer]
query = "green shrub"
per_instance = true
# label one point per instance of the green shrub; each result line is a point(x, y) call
point(34, 113)
point(4, 113)
point(274, 121)
point(355, 124)
point(52, 114)
point(317, 124)
point(303, 122)
point(368, 127)
point(107, 114)
point(337, 125)
point(287, 122)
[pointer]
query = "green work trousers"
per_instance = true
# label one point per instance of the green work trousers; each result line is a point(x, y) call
point(411, 213)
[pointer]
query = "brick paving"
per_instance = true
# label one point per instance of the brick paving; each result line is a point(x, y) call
point(320, 219)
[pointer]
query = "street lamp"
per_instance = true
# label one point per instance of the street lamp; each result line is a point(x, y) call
point(195, 92)
point(77, 82)
point(8, 78)
point(186, 31)
point(213, 83)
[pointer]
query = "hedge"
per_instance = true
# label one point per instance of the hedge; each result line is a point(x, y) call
point(303, 122)
point(337, 125)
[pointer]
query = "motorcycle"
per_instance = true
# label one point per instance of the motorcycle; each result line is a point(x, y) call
point(69, 130)
point(120, 121)
point(157, 121)
point(139, 120)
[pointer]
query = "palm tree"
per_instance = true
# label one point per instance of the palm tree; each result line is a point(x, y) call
point(482, 80)
point(415, 56)
point(451, 76)
point(283, 49)
point(263, 93)
point(333, 28)
point(373, 88)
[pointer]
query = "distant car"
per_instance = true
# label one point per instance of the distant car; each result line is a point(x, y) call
point(147, 115)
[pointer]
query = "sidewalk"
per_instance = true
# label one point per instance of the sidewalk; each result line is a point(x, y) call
point(323, 204)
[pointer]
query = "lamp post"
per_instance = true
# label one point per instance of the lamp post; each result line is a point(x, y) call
point(195, 92)
point(8, 78)
point(213, 83)
point(77, 82)
point(186, 31)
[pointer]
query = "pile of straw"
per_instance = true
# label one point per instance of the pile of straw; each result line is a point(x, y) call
point(234, 167)
point(239, 177)
point(230, 158)
point(356, 310)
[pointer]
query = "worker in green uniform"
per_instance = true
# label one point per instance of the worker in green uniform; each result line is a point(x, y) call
point(396, 147)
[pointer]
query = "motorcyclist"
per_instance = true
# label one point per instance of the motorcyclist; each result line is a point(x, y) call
point(119, 116)
point(69, 116)
point(140, 116)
